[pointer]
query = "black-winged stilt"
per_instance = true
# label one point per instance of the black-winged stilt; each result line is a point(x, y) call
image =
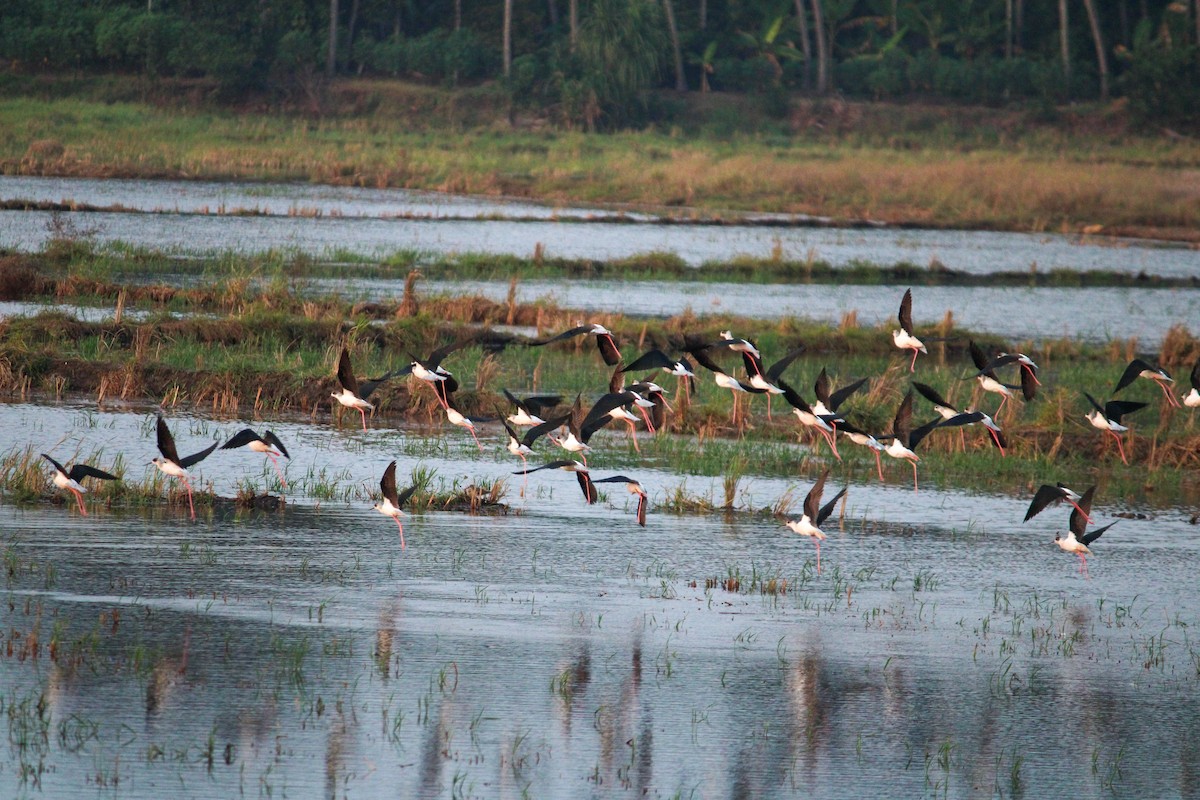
point(815, 514)
point(988, 380)
point(904, 338)
point(431, 371)
point(522, 446)
point(456, 417)
point(72, 479)
point(171, 464)
point(656, 395)
point(530, 409)
point(1141, 369)
point(569, 465)
point(576, 440)
point(973, 417)
point(392, 502)
point(604, 341)
point(354, 394)
point(1058, 493)
point(634, 487)
point(829, 401)
point(1108, 418)
point(268, 443)
point(863, 439)
point(1077, 539)
point(1029, 370)
point(656, 359)
point(767, 379)
point(726, 381)
point(904, 441)
point(809, 418)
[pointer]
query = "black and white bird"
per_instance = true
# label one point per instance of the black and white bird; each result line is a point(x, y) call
point(521, 446)
point(604, 341)
point(828, 400)
point(808, 417)
point(1047, 495)
point(657, 396)
point(431, 371)
point(1108, 418)
point(174, 466)
point(815, 515)
point(569, 465)
point(72, 479)
point(268, 443)
point(459, 419)
point(1027, 365)
point(904, 338)
point(726, 381)
point(863, 439)
point(974, 417)
point(392, 502)
point(1142, 369)
point(354, 394)
point(1192, 400)
point(530, 409)
point(767, 378)
point(904, 440)
point(987, 378)
point(635, 488)
point(656, 359)
point(1077, 539)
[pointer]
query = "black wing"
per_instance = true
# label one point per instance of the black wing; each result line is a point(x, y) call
point(1029, 384)
point(920, 433)
point(1094, 535)
point(812, 501)
point(559, 464)
point(81, 471)
point(653, 359)
point(794, 399)
point(931, 394)
point(1131, 373)
point(240, 439)
point(903, 419)
point(1196, 375)
point(387, 484)
point(827, 509)
point(367, 388)
point(606, 404)
point(906, 312)
point(703, 360)
point(643, 501)
point(585, 485)
point(1115, 409)
point(540, 402)
point(821, 388)
point(1078, 520)
point(981, 361)
point(345, 373)
point(403, 498)
point(608, 349)
point(57, 465)
point(166, 442)
point(614, 479)
point(776, 370)
point(839, 397)
point(196, 458)
point(1045, 495)
point(563, 336)
point(966, 418)
point(1092, 400)
point(435, 358)
point(752, 363)
point(273, 440)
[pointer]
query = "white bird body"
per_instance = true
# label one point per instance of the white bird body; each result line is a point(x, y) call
point(1193, 399)
point(805, 527)
point(350, 400)
point(456, 417)
point(1070, 544)
point(1102, 422)
point(896, 449)
point(728, 382)
point(524, 418)
point(759, 382)
point(430, 375)
point(63, 482)
point(990, 384)
point(740, 345)
point(811, 420)
point(906, 341)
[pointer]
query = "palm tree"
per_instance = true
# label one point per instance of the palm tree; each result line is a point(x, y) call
point(680, 78)
point(621, 45)
point(1101, 59)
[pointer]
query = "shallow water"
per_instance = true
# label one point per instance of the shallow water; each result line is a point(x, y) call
point(363, 221)
point(563, 651)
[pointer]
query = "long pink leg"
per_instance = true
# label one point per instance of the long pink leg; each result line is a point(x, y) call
point(1031, 374)
point(914, 465)
point(633, 436)
point(1003, 400)
point(1170, 397)
point(997, 438)
point(79, 499)
point(913, 366)
point(401, 527)
point(878, 465)
point(768, 406)
point(646, 417)
point(524, 469)
point(832, 442)
point(614, 344)
point(818, 541)
point(188, 486)
point(1120, 448)
point(363, 413)
point(278, 471)
point(1081, 511)
point(476, 438)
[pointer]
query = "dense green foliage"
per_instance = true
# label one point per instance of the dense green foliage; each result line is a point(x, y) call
point(592, 67)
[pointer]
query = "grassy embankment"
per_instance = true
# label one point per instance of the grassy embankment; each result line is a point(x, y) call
point(270, 351)
point(928, 166)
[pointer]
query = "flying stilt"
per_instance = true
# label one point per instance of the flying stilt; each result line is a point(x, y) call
point(171, 464)
point(743, 346)
point(809, 418)
point(726, 381)
point(656, 359)
point(1047, 494)
point(1077, 539)
point(522, 446)
point(987, 378)
point(1108, 418)
point(941, 406)
point(1141, 369)
point(268, 443)
point(904, 337)
point(576, 440)
point(815, 515)
point(353, 394)
point(634, 487)
point(904, 442)
point(604, 341)
point(431, 371)
point(529, 409)
point(767, 379)
point(392, 502)
point(456, 417)
point(1193, 397)
point(828, 401)
point(72, 479)
point(1029, 371)
point(569, 465)
point(972, 417)
point(864, 439)
point(657, 396)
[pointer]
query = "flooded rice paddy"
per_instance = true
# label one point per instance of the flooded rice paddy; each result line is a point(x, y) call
point(561, 651)
point(374, 223)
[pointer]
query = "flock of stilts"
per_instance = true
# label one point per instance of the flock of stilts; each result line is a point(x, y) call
point(649, 399)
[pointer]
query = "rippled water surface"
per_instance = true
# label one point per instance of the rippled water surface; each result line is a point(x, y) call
point(561, 651)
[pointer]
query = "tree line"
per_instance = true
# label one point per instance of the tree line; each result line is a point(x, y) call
point(591, 62)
